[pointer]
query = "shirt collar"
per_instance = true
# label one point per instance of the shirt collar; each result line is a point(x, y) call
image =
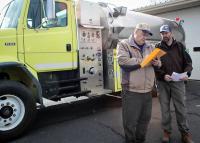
point(133, 44)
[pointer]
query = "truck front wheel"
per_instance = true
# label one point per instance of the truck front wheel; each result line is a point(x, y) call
point(17, 109)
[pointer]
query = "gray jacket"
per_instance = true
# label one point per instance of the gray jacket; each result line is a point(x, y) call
point(134, 78)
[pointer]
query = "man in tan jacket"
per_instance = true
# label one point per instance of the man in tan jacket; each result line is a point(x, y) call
point(137, 83)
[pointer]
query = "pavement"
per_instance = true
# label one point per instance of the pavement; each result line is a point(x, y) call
point(99, 120)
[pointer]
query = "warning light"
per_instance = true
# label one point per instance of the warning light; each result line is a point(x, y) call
point(179, 20)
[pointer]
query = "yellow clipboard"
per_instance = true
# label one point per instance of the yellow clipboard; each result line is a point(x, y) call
point(156, 53)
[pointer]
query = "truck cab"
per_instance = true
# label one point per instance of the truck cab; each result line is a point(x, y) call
point(38, 59)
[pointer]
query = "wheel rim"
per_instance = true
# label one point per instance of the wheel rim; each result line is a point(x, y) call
point(12, 111)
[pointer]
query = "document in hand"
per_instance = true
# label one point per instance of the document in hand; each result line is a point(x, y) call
point(178, 76)
point(156, 53)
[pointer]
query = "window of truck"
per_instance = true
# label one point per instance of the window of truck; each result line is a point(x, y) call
point(10, 14)
point(37, 15)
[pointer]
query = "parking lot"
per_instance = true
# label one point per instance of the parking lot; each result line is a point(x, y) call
point(99, 121)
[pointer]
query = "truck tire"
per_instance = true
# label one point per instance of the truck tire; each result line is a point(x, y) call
point(17, 109)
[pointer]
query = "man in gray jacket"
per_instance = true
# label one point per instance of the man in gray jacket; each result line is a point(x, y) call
point(137, 83)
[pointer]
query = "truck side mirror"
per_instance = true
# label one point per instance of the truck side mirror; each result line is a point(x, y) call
point(116, 13)
point(119, 11)
point(50, 20)
point(50, 11)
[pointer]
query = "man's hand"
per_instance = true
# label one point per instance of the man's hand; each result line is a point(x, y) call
point(184, 78)
point(167, 77)
point(156, 63)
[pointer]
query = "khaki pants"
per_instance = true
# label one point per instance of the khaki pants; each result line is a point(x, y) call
point(176, 92)
point(136, 113)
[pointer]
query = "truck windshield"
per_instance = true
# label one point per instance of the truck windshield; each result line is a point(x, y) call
point(10, 13)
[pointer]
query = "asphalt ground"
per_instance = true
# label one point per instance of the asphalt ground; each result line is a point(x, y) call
point(99, 120)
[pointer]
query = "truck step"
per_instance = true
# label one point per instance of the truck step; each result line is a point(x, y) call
point(66, 81)
point(76, 94)
point(66, 88)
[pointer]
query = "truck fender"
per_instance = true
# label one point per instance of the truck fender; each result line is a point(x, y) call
point(22, 67)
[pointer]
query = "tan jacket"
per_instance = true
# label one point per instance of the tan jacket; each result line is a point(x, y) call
point(142, 79)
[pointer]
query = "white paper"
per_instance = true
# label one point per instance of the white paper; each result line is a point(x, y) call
point(177, 76)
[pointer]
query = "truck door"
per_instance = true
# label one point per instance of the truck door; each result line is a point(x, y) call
point(49, 46)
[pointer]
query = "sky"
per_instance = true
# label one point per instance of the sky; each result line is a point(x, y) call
point(128, 3)
point(131, 4)
point(2, 3)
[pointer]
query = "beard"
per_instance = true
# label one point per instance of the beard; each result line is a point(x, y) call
point(166, 39)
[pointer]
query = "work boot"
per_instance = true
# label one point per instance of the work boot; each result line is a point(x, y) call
point(186, 138)
point(166, 137)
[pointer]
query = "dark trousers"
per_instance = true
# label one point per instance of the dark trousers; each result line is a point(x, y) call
point(176, 92)
point(136, 113)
